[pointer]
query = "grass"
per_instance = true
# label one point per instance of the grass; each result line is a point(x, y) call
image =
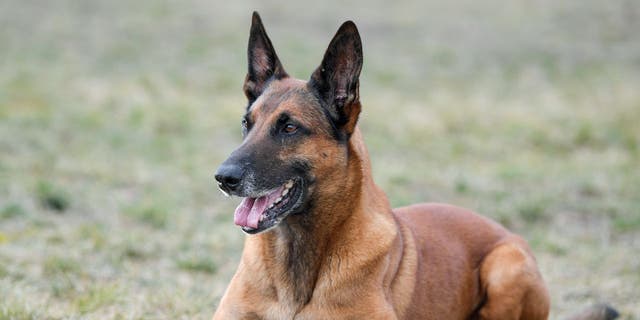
point(59, 265)
point(51, 197)
point(17, 313)
point(11, 210)
point(114, 115)
point(197, 264)
point(154, 216)
point(95, 298)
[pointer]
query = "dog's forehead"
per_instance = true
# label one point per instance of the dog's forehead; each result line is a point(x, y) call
point(288, 95)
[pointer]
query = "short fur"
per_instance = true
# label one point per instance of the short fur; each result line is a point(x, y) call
point(345, 254)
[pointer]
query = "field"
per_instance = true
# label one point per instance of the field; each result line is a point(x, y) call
point(115, 114)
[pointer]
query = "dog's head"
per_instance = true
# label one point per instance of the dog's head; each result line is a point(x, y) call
point(295, 132)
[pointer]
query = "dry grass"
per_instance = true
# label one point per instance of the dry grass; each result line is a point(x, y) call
point(114, 115)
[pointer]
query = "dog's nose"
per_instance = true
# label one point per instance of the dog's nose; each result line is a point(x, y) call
point(229, 177)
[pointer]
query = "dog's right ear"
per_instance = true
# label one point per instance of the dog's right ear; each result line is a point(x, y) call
point(263, 61)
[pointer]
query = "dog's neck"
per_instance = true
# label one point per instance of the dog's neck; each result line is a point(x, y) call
point(294, 252)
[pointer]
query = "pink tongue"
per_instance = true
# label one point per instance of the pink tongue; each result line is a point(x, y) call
point(242, 211)
point(249, 210)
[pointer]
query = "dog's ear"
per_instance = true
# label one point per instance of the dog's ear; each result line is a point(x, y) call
point(263, 61)
point(336, 79)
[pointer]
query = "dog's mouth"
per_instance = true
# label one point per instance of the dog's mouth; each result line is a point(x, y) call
point(256, 215)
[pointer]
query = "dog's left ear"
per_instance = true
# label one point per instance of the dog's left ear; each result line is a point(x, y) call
point(263, 61)
point(336, 79)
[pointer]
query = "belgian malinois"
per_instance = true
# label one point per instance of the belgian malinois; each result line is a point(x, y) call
point(324, 242)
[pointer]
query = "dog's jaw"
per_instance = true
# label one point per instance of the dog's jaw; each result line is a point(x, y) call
point(260, 214)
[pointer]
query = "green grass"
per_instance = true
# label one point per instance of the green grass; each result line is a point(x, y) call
point(627, 224)
point(55, 265)
point(95, 298)
point(52, 197)
point(114, 115)
point(11, 210)
point(17, 313)
point(197, 264)
point(153, 215)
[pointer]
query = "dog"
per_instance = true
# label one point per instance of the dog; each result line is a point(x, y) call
point(324, 242)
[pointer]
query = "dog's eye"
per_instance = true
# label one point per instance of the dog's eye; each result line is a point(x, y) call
point(290, 128)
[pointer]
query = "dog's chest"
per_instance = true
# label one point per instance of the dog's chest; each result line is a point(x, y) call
point(281, 310)
point(287, 308)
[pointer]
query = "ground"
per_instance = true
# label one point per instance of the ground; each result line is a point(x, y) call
point(115, 114)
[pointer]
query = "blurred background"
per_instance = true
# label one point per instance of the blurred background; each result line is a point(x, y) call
point(115, 114)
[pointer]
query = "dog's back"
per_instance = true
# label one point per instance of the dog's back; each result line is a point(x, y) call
point(455, 243)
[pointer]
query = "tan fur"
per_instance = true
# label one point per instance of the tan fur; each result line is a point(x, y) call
point(335, 249)
point(367, 261)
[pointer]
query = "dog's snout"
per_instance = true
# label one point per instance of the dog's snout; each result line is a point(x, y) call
point(229, 177)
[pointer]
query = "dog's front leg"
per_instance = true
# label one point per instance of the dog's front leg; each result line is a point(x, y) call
point(232, 306)
point(224, 313)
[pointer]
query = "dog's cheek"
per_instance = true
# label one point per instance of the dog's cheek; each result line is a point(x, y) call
point(327, 158)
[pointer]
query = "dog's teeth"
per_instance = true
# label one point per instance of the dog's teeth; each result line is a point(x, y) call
point(284, 193)
point(289, 184)
point(261, 217)
point(271, 206)
point(278, 200)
